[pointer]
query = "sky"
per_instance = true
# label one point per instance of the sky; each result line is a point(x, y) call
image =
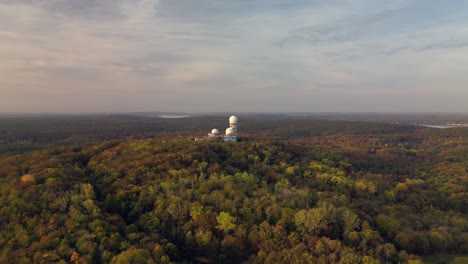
point(79, 56)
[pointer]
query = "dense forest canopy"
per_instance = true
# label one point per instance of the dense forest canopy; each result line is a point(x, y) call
point(291, 191)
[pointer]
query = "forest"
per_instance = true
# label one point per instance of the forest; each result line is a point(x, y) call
point(292, 190)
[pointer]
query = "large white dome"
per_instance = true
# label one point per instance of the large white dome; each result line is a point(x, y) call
point(215, 131)
point(233, 120)
point(229, 131)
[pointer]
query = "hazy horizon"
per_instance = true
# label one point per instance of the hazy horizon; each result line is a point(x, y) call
point(220, 113)
point(204, 56)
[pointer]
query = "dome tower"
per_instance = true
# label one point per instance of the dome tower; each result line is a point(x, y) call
point(233, 123)
point(231, 131)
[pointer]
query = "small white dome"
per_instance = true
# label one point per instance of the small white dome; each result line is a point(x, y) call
point(215, 131)
point(229, 131)
point(233, 120)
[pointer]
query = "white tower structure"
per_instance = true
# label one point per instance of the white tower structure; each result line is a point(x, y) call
point(233, 123)
point(231, 131)
point(214, 133)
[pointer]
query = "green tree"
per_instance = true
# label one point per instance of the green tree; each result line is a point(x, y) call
point(225, 222)
point(309, 221)
point(388, 225)
point(133, 256)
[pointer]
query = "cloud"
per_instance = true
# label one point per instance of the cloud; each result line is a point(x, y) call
point(139, 13)
point(193, 71)
point(448, 44)
point(303, 55)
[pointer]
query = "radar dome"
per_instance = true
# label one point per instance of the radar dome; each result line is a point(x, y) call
point(233, 120)
point(229, 131)
point(215, 131)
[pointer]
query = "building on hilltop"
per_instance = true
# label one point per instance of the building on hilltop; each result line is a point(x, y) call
point(230, 135)
point(214, 133)
point(231, 131)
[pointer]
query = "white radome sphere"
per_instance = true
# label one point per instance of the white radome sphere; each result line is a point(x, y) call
point(229, 131)
point(233, 120)
point(215, 131)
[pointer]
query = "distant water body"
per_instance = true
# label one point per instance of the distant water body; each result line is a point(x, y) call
point(174, 116)
point(436, 126)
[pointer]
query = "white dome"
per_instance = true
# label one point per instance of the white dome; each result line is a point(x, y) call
point(233, 120)
point(229, 131)
point(215, 131)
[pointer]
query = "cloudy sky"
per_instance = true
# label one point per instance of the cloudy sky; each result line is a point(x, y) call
point(233, 55)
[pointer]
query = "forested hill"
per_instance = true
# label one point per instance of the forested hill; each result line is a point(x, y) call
point(297, 200)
